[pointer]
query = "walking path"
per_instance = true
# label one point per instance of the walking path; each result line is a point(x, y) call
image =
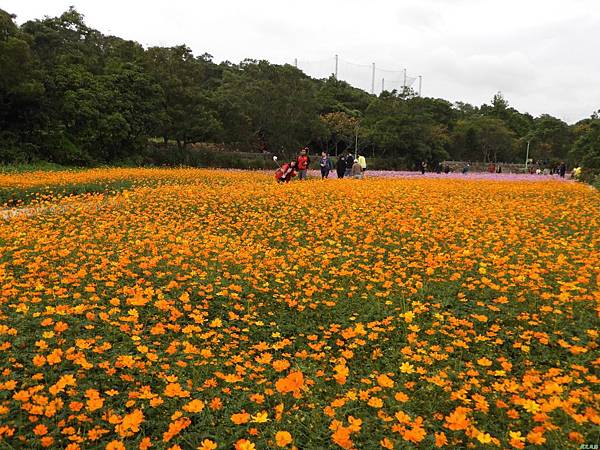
point(30, 211)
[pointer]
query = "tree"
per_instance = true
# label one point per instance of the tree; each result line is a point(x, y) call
point(551, 138)
point(70, 94)
point(338, 96)
point(188, 111)
point(21, 93)
point(341, 129)
point(484, 138)
point(520, 124)
point(408, 128)
point(280, 102)
point(465, 110)
point(586, 148)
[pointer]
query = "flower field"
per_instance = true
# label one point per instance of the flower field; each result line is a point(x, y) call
point(217, 310)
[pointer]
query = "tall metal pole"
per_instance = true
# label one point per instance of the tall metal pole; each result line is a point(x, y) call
point(296, 62)
point(404, 85)
point(527, 157)
point(356, 143)
point(373, 80)
point(336, 67)
point(382, 84)
point(420, 84)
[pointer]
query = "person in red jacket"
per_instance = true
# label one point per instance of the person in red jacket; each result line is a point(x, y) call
point(286, 172)
point(303, 161)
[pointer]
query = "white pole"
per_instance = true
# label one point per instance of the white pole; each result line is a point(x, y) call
point(296, 62)
point(382, 84)
point(373, 80)
point(336, 67)
point(404, 85)
point(356, 143)
point(420, 84)
point(527, 157)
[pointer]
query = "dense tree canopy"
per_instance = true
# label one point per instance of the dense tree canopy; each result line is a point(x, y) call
point(72, 95)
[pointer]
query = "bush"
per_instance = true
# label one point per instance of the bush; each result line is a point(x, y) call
point(372, 163)
point(590, 176)
point(171, 155)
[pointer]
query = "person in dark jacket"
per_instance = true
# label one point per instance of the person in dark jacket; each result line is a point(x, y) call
point(340, 166)
point(349, 164)
point(562, 169)
point(325, 164)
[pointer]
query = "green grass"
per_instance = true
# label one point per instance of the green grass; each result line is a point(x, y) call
point(22, 168)
point(17, 197)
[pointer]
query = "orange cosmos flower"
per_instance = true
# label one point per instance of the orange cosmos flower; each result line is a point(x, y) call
point(47, 441)
point(130, 423)
point(240, 418)
point(115, 445)
point(386, 443)
point(207, 444)
point(458, 419)
point(283, 438)
point(341, 373)
point(440, 439)
point(375, 402)
point(280, 365)
point(175, 390)
point(40, 430)
point(341, 437)
point(244, 444)
point(291, 383)
point(484, 362)
point(384, 381)
point(195, 406)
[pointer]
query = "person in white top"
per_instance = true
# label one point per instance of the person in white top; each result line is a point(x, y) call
point(363, 162)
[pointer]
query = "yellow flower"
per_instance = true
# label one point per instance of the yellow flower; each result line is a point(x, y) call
point(531, 407)
point(407, 367)
point(516, 435)
point(484, 438)
point(207, 444)
point(261, 417)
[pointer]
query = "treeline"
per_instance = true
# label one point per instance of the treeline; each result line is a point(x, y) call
point(72, 95)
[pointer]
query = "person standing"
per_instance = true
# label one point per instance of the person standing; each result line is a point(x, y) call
point(349, 164)
point(302, 162)
point(562, 169)
point(357, 171)
point(340, 166)
point(325, 164)
point(423, 167)
point(363, 162)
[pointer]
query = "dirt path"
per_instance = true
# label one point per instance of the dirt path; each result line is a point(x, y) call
point(30, 211)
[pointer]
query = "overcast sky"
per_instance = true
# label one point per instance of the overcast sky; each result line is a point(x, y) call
point(541, 54)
